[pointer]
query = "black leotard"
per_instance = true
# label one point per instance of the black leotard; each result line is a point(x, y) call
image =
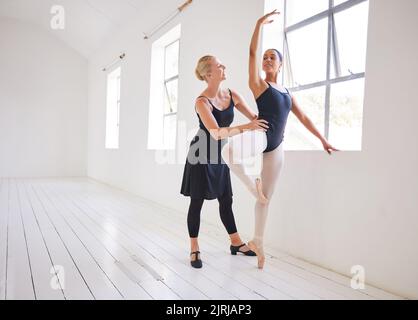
point(274, 106)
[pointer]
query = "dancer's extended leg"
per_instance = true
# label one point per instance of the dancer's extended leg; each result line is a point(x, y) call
point(239, 152)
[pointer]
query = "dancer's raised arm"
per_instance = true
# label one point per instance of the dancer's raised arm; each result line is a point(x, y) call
point(256, 83)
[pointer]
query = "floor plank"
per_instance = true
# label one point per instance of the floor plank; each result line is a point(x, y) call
point(4, 221)
point(39, 254)
point(19, 281)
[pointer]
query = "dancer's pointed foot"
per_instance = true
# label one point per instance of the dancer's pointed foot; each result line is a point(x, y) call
point(261, 197)
point(261, 259)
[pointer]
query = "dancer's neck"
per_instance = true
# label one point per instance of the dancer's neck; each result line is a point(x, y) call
point(272, 77)
point(213, 90)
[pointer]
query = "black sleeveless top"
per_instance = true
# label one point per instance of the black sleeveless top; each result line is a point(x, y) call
point(224, 118)
point(274, 106)
point(206, 176)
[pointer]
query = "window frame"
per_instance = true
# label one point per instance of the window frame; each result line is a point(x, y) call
point(117, 104)
point(160, 138)
point(332, 53)
point(166, 81)
point(118, 80)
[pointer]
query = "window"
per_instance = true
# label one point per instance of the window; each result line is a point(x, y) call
point(113, 109)
point(324, 48)
point(162, 129)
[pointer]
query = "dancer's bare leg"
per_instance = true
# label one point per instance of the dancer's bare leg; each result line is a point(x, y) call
point(272, 166)
point(238, 152)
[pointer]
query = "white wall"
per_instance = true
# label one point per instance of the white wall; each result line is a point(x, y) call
point(43, 104)
point(354, 208)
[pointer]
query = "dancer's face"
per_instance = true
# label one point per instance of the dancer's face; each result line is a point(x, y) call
point(217, 71)
point(271, 62)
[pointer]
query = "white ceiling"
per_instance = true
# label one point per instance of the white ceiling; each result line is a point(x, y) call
point(87, 21)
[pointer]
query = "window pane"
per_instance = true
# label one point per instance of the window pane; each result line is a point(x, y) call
point(118, 114)
point(118, 88)
point(338, 2)
point(170, 123)
point(172, 60)
point(352, 38)
point(312, 102)
point(163, 95)
point(346, 114)
point(113, 109)
point(171, 96)
point(308, 53)
point(298, 10)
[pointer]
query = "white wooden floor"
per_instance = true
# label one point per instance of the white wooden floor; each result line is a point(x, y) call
point(79, 239)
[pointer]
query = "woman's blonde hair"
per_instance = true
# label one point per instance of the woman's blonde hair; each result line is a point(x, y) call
point(203, 67)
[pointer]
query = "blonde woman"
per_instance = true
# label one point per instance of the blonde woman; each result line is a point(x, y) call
point(206, 176)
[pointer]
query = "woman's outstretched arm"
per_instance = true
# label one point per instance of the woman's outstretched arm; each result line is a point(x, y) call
point(242, 106)
point(307, 122)
point(204, 110)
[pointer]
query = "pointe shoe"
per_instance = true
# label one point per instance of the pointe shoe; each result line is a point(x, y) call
point(261, 197)
point(261, 259)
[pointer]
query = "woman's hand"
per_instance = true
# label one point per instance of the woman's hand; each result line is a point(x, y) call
point(267, 19)
point(328, 148)
point(257, 124)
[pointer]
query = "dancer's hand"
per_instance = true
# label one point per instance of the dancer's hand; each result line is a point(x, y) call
point(328, 148)
point(267, 19)
point(257, 124)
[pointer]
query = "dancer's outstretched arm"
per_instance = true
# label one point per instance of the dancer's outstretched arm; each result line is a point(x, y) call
point(307, 122)
point(256, 83)
point(242, 106)
point(204, 110)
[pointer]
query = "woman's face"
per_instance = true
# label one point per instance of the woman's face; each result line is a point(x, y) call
point(271, 62)
point(217, 71)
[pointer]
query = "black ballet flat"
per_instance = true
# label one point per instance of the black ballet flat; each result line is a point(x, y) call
point(235, 250)
point(197, 263)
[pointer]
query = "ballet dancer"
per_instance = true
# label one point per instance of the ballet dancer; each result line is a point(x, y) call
point(274, 104)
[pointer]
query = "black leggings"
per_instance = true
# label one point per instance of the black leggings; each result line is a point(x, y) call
point(225, 211)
